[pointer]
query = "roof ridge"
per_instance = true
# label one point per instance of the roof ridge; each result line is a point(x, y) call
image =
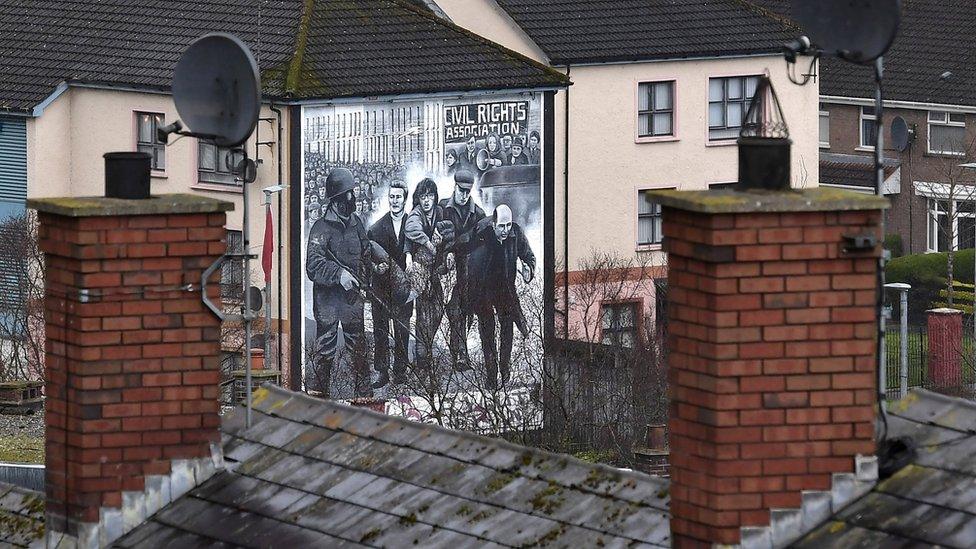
point(456, 432)
point(477, 37)
point(790, 24)
point(294, 73)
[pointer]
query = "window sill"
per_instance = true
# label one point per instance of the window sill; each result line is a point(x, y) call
point(721, 143)
point(864, 149)
point(217, 187)
point(825, 146)
point(936, 154)
point(657, 139)
point(158, 174)
point(647, 248)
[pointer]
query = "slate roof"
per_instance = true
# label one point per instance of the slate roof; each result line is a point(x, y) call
point(310, 472)
point(936, 36)
point(342, 48)
point(600, 31)
point(21, 516)
point(931, 501)
point(852, 169)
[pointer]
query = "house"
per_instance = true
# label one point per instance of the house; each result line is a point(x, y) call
point(659, 91)
point(928, 85)
point(364, 83)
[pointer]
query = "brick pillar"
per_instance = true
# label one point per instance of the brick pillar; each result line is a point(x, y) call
point(772, 352)
point(132, 355)
point(945, 349)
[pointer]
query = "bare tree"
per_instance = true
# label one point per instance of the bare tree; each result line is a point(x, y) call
point(21, 300)
point(960, 200)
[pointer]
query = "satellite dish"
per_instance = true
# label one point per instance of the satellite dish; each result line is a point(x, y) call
point(856, 30)
point(901, 134)
point(216, 89)
point(257, 298)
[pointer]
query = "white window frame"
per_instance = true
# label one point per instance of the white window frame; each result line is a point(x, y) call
point(862, 118)
point(824, 115)
point(745, 101)
point(933, 215)
point(945, 120)
point(221, 175)
point(154, 145)
point(673, 111)
point(658, 213)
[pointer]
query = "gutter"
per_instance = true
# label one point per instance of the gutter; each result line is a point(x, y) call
point(911, 105)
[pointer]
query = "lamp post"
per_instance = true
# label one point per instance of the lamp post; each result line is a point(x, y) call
point(902, 290)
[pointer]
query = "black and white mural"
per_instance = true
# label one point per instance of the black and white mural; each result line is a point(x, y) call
point(422, 245)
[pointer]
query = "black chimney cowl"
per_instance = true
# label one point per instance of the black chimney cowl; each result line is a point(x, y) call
point(764, 143)
point(127, 175)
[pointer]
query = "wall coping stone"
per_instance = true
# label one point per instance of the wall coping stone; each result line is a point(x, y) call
point(100, 206)
point(797, 200)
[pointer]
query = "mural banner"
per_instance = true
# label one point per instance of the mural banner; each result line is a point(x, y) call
point(422, 245)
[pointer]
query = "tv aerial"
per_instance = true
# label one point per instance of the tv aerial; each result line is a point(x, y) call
point(902, 136)
point(217, 92)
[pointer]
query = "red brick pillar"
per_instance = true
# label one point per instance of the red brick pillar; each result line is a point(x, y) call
point(132, 363)
point(945, 349)
point(772, 352)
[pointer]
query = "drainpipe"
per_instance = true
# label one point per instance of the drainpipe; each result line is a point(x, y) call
point(566, 215)
point(281, 217)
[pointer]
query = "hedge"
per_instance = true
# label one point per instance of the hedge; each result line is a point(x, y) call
point(927, 275)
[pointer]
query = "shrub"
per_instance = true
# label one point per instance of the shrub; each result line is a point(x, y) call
point(927, 275)
point(893, 244)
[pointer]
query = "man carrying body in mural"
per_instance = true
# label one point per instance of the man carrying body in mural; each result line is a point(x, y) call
point(496, 246)
point(390, 234)
point(426, 231)
point(338, 255)
point(465, 215)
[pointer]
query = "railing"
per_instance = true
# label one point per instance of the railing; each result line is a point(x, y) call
point(918, 357)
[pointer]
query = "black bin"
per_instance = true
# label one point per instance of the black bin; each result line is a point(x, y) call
point(127, 175)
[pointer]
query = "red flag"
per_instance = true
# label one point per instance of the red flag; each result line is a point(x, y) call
point(268, 252)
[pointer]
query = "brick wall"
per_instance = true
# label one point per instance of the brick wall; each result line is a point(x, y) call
point(132, 364)
point(772, 362)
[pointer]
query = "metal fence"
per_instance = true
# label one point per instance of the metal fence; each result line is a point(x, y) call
point(917, 365)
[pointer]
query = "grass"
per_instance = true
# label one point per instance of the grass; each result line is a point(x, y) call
point(22, 449)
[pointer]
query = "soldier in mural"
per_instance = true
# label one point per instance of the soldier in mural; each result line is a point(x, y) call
point(426, 231)
point(461, 210)
point(497, 245)
point(337, 259)
point(389, 232)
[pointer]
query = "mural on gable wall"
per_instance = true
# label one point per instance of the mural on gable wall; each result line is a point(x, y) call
point(422, 242)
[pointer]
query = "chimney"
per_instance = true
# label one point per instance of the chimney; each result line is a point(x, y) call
point(773, 327)
point(132, 359)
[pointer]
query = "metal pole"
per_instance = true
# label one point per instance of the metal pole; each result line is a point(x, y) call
point(248, 314)
point(904, 342)
point(879, 190)
point(267, 307)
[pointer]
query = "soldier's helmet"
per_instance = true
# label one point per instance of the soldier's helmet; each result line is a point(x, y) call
point(340, 181)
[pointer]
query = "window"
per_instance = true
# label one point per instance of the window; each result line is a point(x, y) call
point(655, 109)
point(868, 128)
point(947, 133)
point(648, 220)
point(232, 271)
point(728, 103)
point(147, 141)
point(214, 164)
point(824, 127)
point(951, 225)
point(619, 324)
